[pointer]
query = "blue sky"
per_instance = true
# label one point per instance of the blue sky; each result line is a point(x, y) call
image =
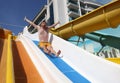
point(14, 11)
point(103, 1)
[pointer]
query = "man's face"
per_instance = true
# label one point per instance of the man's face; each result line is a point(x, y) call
point(43, 24)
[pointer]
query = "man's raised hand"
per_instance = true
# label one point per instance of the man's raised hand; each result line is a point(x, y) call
point(25, 18)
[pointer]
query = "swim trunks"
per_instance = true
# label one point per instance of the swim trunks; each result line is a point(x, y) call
point(44, 44)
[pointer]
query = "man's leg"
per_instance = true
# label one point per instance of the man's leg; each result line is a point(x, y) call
point(45, 49)
point(50, 48)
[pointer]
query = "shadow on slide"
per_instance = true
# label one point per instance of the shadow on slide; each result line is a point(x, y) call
point(1, 47)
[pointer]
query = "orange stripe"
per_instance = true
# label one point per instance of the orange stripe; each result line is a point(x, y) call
point(3, 58)
point(25, 70)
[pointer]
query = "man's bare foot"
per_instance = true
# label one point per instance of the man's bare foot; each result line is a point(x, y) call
point(58, 53)
point(47, 51)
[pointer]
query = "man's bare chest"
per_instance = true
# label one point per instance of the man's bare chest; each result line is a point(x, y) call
point(43, 31)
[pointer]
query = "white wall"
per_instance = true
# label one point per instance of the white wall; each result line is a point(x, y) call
point(60, 11)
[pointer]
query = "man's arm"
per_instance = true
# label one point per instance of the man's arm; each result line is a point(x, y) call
point(54, 25)
point(30, 22)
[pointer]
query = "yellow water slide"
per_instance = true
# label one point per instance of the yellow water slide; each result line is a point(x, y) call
point(6, 63)
point(15, 64)
point(104, 17)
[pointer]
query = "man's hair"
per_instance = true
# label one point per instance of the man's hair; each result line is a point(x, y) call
point(42, 22)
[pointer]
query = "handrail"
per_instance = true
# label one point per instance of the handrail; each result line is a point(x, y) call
point(9, 69)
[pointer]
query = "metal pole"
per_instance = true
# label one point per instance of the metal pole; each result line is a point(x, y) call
point(79, 8)
point(104, 39)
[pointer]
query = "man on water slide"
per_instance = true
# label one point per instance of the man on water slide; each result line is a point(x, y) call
point(43, 31)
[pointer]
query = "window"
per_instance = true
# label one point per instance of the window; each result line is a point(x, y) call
point(50, 1)
point(71, 18)
point(51, 20)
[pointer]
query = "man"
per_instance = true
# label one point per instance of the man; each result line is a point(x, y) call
point(43, 31)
